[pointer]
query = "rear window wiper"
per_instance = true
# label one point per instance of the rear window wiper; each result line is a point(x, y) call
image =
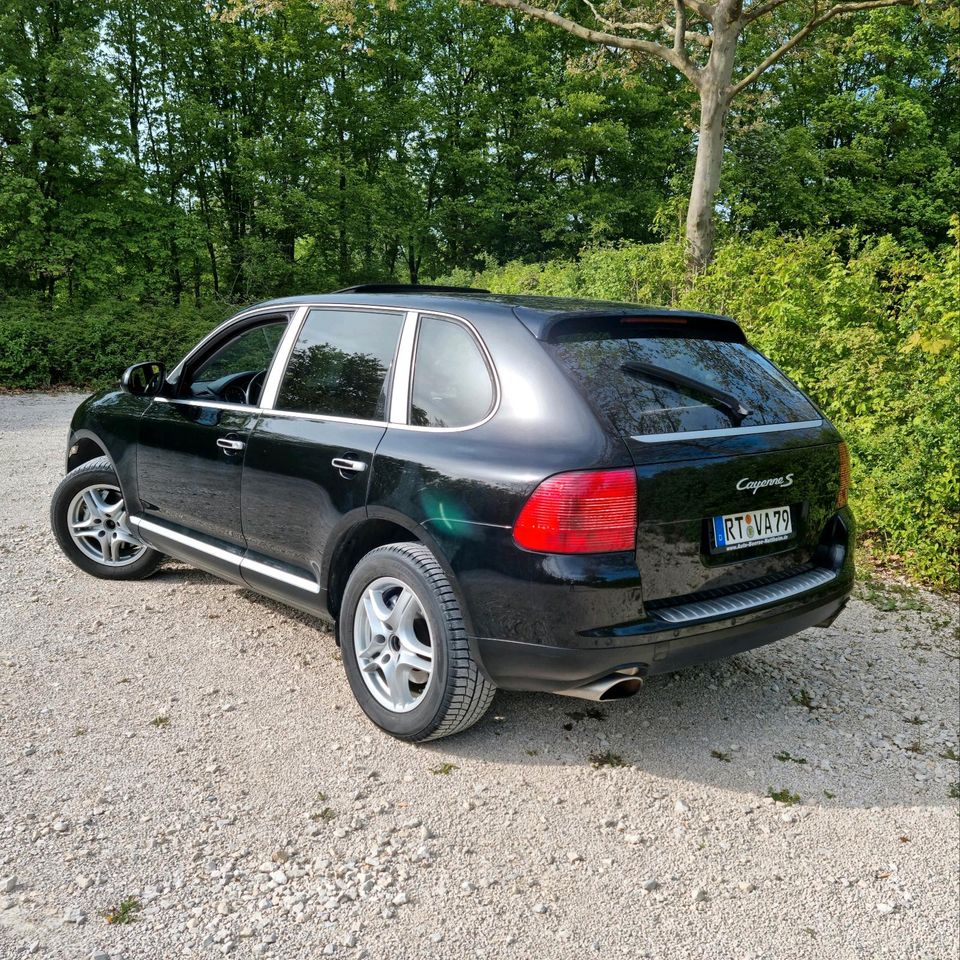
point(733, 407)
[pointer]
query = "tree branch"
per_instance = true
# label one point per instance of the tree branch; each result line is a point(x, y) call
point(706, 10)
point(758, 10)
point(700, 38)
point(678, 60)
point(680, 30)
point(838, 10)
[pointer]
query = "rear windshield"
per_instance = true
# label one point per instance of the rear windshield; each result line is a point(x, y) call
point(734, 378)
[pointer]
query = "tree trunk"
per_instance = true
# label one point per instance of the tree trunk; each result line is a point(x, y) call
point(714, 107)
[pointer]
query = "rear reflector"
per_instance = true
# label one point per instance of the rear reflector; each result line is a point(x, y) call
point(844, 476)
point(585, 512)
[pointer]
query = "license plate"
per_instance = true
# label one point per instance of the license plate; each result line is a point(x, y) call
point(734, 531)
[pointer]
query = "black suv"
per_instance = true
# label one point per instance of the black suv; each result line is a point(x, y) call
point(479, 490)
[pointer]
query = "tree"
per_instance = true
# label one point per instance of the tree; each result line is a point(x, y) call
point(701, 40)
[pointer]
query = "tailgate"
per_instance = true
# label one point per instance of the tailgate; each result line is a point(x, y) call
point(681, 492)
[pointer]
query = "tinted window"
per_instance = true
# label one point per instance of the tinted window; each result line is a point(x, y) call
point(638, 404)
point(451, 382)
point(340, 364)
point(240, 360)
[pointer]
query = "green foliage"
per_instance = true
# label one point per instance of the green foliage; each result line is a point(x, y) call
point(868, 328)
point(43, 346)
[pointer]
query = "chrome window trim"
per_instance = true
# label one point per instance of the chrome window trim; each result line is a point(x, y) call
point(243, 563)
point(272, 408)
point(287, 309)
point(271, 385)
point(402, 373)
point(403, 369)
point(404, 424)
point(725, 432)
point(216, 404)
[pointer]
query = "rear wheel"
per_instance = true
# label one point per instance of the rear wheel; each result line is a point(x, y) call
point(405, 648)
point(90, 521)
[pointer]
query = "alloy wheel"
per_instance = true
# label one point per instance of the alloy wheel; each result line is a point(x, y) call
point(393, 644)
point(99, 525)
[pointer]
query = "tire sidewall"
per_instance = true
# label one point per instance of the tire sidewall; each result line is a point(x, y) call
point(426, 715)
point(70, 486)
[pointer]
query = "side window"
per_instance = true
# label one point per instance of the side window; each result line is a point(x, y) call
point(452, 386)
point(235, 372)
point(341, 363)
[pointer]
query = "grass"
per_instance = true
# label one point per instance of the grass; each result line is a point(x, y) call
point(950, 754)
point(161, 721)
point(720, 755)
point(829, 795)
point(954, 791)
point(125, 912)
point(606, 759)
point(916, 720)
point(803, 699)
point(785, 757)
point(888, 597)
point(326, 814)
point(784, 796)
point(444, 769)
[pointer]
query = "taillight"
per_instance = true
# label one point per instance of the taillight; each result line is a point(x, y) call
point(844, 476)
point(591, 511)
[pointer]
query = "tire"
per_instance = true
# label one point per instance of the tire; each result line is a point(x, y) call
point(89, 498)
point(456, 694)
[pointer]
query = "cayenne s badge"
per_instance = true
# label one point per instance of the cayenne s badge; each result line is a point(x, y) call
point(754, 485)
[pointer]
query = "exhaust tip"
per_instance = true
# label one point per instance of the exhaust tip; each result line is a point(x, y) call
point(614, 686)
point(622, 689)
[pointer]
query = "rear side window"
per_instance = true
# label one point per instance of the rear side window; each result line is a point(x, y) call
point(726, 384)
point(341, 363)
point(452, 386)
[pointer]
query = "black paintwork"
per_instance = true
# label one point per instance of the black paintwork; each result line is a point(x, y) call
point(536, 621)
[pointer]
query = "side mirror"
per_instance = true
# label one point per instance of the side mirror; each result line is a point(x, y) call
point(144, 379)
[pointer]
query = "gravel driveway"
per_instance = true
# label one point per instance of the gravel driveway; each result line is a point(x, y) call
point(186, 756)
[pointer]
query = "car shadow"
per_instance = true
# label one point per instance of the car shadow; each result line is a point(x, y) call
point(783, 719)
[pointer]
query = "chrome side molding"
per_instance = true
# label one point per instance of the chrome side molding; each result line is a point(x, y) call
point(243, 563)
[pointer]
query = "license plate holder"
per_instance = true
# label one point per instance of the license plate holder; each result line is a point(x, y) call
point(751, 528)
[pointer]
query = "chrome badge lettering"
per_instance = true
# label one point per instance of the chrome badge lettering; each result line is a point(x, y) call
point(754, 485)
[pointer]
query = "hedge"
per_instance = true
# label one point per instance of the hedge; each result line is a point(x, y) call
point(868, 329)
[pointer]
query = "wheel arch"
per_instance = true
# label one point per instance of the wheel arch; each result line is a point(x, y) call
point(84, 447)
point(380, 527)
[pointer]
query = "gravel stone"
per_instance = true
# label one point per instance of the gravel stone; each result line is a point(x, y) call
point(267, 768)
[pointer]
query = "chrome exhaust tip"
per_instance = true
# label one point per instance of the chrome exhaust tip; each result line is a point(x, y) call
point(614, 686)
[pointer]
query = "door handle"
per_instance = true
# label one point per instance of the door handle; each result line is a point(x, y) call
point(353, 466)
point(232, 446)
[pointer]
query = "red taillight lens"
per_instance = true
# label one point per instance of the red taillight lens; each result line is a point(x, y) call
point(844, 476)
point(586, 512)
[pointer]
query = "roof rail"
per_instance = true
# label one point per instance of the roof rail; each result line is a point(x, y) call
point(408, 288)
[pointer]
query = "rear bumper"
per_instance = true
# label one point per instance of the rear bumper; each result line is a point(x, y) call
point(515, 665)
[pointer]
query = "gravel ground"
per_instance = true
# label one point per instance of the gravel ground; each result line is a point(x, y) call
point(188, 750)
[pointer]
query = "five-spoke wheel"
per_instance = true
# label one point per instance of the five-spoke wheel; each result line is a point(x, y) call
point(405, 647)
point(392, 641)
point(97, 519)
point(91, 523)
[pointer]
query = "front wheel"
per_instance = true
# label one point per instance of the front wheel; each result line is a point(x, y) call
point(405, 648)
point(90, 521)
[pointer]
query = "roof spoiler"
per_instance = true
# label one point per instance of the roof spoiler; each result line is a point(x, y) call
point(636, 322)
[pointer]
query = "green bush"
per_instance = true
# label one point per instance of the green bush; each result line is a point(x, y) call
point(89, 347)
point(868, 329)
